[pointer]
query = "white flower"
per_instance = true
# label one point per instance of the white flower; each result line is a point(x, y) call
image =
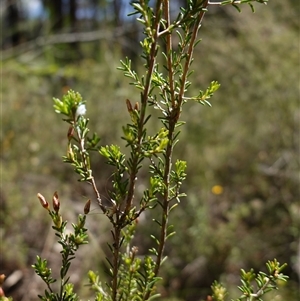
point(81, 110)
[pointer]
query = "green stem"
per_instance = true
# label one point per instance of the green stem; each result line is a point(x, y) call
point(116, 261)
point(144, 103)
point(169, 52)
point(85, 160)
point(190, 51)
point(136, 155)
point(260, 292)
point(165, 205)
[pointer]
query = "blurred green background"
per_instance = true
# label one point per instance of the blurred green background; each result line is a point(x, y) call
point(242, 206)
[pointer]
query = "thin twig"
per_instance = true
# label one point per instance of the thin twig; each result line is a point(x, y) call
point(190, 51)
point(116, 259)
point(169, 52)
point(87, 168)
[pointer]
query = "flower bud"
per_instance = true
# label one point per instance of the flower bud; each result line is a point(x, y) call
point(136, 106)
point(134, 251)
point(70, 132)
point(79, 240)
point(2, 293)
point(2, 278)
point(129, 106)
point(87, 207)
point(43, 201)
point(55, 202)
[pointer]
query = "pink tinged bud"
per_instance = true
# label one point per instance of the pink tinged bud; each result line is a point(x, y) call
point(137, 106)
point(2, 277)
point(2, 292)
point(87, 207)
point(55, 201)
point(43, 201)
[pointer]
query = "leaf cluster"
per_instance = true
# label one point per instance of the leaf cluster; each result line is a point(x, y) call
point(70, 242)
point(254, 285)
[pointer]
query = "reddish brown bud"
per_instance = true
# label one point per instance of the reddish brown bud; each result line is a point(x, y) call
point(209, 298)
point(2, 277)
point(55, 201)
point(65, 89)
point(43, 201)
point(70, 132)
point(134, 250)
point(87, 207)
point(129, 106)
point(137, 106)
point(2, 293)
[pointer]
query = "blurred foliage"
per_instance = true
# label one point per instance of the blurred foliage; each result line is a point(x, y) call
point(242, 206)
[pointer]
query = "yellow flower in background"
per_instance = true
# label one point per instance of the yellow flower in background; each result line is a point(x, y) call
point(217, 189)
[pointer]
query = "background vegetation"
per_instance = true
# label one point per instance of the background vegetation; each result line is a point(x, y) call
point(242, 205)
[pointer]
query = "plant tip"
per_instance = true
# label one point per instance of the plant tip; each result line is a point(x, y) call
point(55, 202)
point(43, 201)
point(87, 207)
